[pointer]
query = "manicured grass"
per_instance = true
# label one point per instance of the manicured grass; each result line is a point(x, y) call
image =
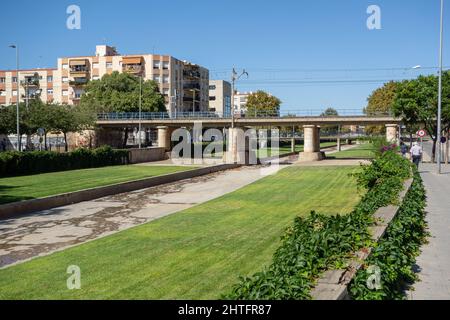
point(363, 151)
point(194, 254)
point(46, 184)
point(287, 149)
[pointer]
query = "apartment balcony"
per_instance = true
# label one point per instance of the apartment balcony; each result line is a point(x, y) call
point(135, 69)
point(78, 82)
point(191, 74)
point(30, 82)
point(191, 86)
point(133, 65)
point(79, 68)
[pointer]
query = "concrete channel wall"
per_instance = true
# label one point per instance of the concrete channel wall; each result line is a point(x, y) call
point(14, 209)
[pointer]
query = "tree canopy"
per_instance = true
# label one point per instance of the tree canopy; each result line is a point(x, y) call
point(416, 102)
point(380, 102)
point(262, 102)
point(119, 92)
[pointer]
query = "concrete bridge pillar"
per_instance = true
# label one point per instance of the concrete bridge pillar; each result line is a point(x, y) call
point(164, 137)
point(311, 149)
point(391, 133)
point(238, 147)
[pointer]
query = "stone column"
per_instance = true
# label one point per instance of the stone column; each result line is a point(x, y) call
point(164, 135)
point(311, 150)
point(391, 133)
point(238, 148)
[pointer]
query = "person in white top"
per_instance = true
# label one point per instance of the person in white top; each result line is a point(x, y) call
point(416, 154)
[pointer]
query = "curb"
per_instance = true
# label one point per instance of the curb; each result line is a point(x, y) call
point(14, 209)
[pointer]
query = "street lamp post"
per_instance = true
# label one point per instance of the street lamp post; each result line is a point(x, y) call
point(234, 78)
point(19, 142)
point(439, 116)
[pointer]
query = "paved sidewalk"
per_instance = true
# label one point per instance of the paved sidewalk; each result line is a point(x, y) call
point(434, 261)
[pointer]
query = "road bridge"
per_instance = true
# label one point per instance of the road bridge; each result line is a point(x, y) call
point(311, 125)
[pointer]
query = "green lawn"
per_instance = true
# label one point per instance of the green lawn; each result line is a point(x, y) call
point(194, 254)
point(363, 151)
point(46, 184)
point(287, 149)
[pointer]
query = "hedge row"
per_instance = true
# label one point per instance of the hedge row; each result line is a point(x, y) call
point(320, 242)
point(396, 253)
point(13, 163)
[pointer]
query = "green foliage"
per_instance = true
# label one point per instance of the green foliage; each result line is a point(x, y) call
point(318, 242)
point(395, 254)
point(14, 163)
point(261, 102)
point(119, 92)
point(380, 101)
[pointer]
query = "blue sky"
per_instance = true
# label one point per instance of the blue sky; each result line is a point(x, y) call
point(312, 54)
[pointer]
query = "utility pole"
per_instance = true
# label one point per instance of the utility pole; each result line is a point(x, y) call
point(19, 142)
point(234, 78)
point(440, 91)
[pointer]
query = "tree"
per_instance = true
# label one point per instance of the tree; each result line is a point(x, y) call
point(416, 102)
point(329, 112)
point(261, 102)
point(380, 102)
point(119, 92)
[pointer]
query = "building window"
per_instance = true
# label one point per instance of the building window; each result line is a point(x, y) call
point(157, 78)
point(65, 93)
point(109, 65)
point(65, 66)
point(212, 98)
point(165, 79)
point(49, 91)
point(166, 65)
point(2, 93)
point(166, 91)
point(49, 78)
point(14, 79)
point(14, 93)
point(212, 87)
point(65, 79)
point(95, 65)
point(156, 64)
point(95, 78)
point(2, 80)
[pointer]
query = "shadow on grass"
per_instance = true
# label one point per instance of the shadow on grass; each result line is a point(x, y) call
point(8, 198)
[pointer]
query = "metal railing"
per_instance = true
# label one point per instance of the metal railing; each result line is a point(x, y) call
point(247, 115)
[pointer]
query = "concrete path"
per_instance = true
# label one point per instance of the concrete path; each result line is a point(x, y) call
point(47, 231)
point(434, 261)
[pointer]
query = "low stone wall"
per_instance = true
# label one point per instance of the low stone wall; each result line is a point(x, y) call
point(14, 209)
point(147, 155)
point(333, 284)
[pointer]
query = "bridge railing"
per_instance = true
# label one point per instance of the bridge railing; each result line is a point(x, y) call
point(247, 115)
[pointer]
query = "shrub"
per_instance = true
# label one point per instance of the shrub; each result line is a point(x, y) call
point(396, 253)
point(318, 242)
point(14, 163)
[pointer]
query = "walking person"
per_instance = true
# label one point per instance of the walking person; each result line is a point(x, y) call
point(403, 149)
point(416, 154)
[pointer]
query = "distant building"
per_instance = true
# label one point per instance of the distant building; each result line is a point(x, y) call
point(220, 97)
point(184, 85)
point(240, 101)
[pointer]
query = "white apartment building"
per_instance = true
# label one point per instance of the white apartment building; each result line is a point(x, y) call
point(184, 85)
point(220, 97)
point(240, 101)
